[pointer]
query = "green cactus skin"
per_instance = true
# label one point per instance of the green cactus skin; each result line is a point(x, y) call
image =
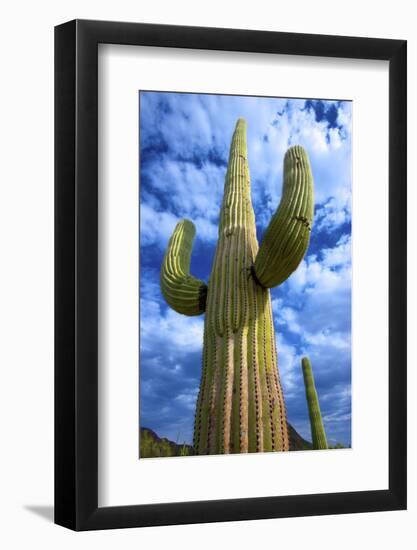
point(288, 235)
point(240, 406)
point(183, 292)
point(317, 429)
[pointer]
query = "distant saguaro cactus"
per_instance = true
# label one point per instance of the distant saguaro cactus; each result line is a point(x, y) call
point(317, 429)
point(240, 406)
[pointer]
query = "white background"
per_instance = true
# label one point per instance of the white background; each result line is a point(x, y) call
point(123, 479)
point(26, 301)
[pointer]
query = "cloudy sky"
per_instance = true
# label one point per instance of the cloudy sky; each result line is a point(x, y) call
point(184, 146)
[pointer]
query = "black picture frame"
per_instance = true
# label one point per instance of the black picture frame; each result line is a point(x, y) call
point(76, 272)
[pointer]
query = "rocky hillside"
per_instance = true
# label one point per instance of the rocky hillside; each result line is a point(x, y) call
point(297, 443)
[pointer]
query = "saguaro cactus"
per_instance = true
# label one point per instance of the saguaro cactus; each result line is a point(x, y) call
point(317, 429)
point(240, 406)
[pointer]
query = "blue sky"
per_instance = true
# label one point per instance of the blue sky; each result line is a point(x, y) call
point(184, 146)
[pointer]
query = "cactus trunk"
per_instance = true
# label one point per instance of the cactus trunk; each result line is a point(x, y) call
point(317, 429)
point(240, 406)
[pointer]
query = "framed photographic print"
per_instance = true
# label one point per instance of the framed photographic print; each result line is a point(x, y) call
point(230, 275)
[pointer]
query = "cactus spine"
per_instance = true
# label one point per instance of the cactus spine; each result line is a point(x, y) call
point(240, 406)
point(317, 429)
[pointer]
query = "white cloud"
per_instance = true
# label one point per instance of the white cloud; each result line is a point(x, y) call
point(155, 227)
point(333, 213)
point(331, 273)
point(344, 116)
point(191, 191)
point(289, 317)
point(188, 398)
point(206, 230)
point(329, 151)
point(163, 328)
point(177, 332)
point(321, 319)
point(276, 305)
point(336, 340)
point(288, 360)
point(193, 125)
point(340, 255)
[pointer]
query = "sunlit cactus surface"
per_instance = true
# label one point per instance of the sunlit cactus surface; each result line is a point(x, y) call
point(240, 406)
point(318, 434)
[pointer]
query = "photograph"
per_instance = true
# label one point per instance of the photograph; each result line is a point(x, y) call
point(245, 274)
point(208, 234)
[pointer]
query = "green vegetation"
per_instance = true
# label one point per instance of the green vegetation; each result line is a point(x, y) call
point(336, 446)
point(317, 429)
point(240, 407)
point(152, 446)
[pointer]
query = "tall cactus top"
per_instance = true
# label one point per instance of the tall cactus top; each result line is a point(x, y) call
point(237, 198)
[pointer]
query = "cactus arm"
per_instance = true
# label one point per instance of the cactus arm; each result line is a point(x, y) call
point(317, 429)
point(288, 234)
point(183, 292)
